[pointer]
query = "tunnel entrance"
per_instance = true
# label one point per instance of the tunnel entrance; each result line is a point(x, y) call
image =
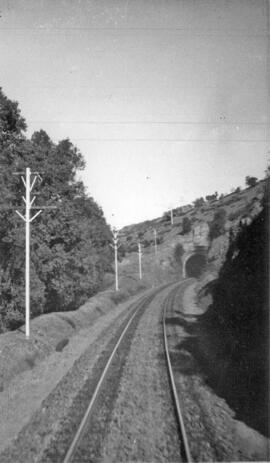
point(195, 265)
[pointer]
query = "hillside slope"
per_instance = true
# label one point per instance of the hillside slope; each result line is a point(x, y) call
point(165, 263)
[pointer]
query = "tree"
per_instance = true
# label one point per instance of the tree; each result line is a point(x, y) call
point(212, 197)
point(251, 181)
point(69, 245)
point(198, 202)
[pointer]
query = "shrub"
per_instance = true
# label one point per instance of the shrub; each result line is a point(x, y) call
point(217, 226)
point(186, 225)
point(160, 239)
point(119, 296)
point(133, 247)
point(212, 197)
point(146, 243)
point(198, 202)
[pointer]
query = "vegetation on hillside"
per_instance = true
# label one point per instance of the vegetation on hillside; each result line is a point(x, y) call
point(217, 226)
point(186, 225)
point(251, 181)
point(69, 245)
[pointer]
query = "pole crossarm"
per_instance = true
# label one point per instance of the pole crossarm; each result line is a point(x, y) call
point(32, 218)
point(22, 217)
point(32, 200)
point(33, 183)
point(155, 240)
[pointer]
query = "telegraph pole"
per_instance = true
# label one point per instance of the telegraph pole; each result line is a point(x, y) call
point(140, 259)
point(172, 216)
point(155, 236)
point(115, 245)
point(29, 184)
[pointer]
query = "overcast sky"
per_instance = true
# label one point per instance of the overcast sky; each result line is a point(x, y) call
point(166, 99)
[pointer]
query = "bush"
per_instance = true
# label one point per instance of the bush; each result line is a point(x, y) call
point(198, 202)
point(133, 247)
point(212, 197)
point(146, 243)
point(166, 217)
point(186, 225)
point(217, 226)
point(119, 296)
point(160, 239)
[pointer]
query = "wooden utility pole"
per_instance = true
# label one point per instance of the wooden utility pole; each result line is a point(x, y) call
point(115, 245)
point(172, 216)
point(140, 259)
point(29, 185)
point(155, 236)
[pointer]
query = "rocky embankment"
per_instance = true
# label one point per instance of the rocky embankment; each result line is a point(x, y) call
point(223, 378)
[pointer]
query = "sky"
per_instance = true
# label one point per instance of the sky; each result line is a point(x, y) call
point(167, 100)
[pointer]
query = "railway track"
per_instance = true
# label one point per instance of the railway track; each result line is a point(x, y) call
point(78, 446)
point(74, 447)
point(185, 448)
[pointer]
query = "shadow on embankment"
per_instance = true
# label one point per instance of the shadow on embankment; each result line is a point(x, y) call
point(243, 384)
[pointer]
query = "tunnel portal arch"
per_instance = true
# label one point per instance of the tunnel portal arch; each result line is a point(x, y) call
point(194, 264)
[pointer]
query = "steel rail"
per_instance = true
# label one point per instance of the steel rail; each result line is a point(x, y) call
point(79, 433)
point(179, 413)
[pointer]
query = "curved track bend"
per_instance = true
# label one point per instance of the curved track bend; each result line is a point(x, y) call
point(87, 440)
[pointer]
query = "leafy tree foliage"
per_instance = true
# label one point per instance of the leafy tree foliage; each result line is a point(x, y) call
point(251, 181)
point(69, 245)
point(212, 197)
point(198, 202)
